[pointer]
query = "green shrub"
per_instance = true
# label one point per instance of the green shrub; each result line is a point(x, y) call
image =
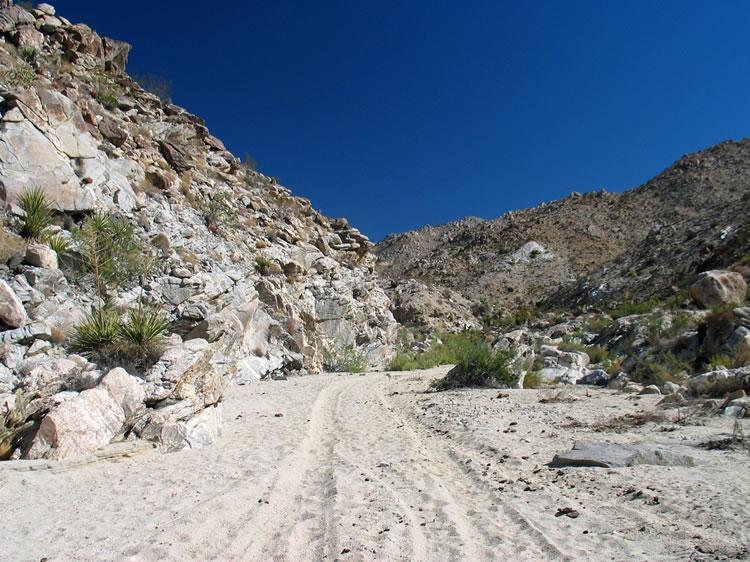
point(99, 330)
point(630, 308)
point(263, 263)
point(720, 360)
point(108, 100)
point(479, 365)
point(37, 212)
point(597, 354)
point(110, 251)
point(533, 379)
point(21, 75)
point(597, 324)
point(403, 362)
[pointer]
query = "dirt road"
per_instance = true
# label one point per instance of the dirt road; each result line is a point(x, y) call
point(342, 467)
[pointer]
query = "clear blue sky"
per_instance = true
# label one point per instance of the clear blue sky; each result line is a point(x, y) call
point(397, 114)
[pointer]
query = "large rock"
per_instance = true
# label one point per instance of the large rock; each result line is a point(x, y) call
point(37, 151)
point(12, 312)
point(609, 455)
point(90, 420)
point(718, 287)
point(78, 426)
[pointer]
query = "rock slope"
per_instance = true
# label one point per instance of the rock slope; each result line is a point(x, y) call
point(595, 246)
point(254, 281)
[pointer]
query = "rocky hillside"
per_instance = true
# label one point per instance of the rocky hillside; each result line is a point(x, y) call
point(252, 280)
point(591, 247)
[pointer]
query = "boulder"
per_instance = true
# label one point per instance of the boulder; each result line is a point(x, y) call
point(718, 383)
point(595, 378)
point(12, 312)
point(125, 389)
point(718, 287)
point(609, 455)
point(78, 426)
point(41, 255)
point(112, 131)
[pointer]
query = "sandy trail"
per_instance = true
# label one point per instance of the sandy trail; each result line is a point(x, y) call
point(363, 467)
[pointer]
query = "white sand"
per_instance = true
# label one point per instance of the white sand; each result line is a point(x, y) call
point(364, 467)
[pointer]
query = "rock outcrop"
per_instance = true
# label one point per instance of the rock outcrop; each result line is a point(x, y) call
point(254, 281)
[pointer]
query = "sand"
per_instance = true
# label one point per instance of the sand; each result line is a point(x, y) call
point(373, 467)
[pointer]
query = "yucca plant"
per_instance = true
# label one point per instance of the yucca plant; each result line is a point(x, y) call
point(144, 327)
point(100, 329)
point(57, 242)
point(37, 212)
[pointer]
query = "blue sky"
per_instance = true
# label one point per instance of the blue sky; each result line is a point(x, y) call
point(397, 114)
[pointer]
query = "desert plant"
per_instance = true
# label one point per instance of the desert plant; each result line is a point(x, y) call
point(57, 242)
point(22, 75)
point(110, 251)
point(155, 84)
point(37, 212)
point(108, 100)
point(216, 210)
point(144, 328)
point(402, 362)
point(12, 425)
point(479, 365)
point(99, 330)
point(597, 354)
point(533, 379)
point(720, 360)
point(263, 263)
point(346, 359)
point(28, 54)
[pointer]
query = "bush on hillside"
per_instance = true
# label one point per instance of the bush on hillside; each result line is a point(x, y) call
point(479, 365)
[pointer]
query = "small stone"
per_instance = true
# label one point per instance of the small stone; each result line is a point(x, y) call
point(41, 255)
point(650, 389)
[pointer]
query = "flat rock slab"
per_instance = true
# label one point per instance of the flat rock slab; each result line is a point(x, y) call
point(609, 455)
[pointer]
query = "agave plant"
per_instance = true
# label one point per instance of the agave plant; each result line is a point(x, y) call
point(144, 327)
point(100, 328)
point(37, 212)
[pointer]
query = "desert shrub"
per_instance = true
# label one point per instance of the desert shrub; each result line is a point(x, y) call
point(346, 359)
point(630, 308)
point(108, 100)
point(596, 324)
point(263, 263)
point(597, 354)
point(216, 210)
point(12, 425)
point(479, 365)
point(155, 84)
point(28, 55)
point(659, 370)
point(22, 75)
point(99, 330)
point(37, 210)
point(720, 360)
point(402, 362)
point(533, 379)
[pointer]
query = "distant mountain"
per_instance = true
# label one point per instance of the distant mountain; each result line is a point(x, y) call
point(594, 247)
